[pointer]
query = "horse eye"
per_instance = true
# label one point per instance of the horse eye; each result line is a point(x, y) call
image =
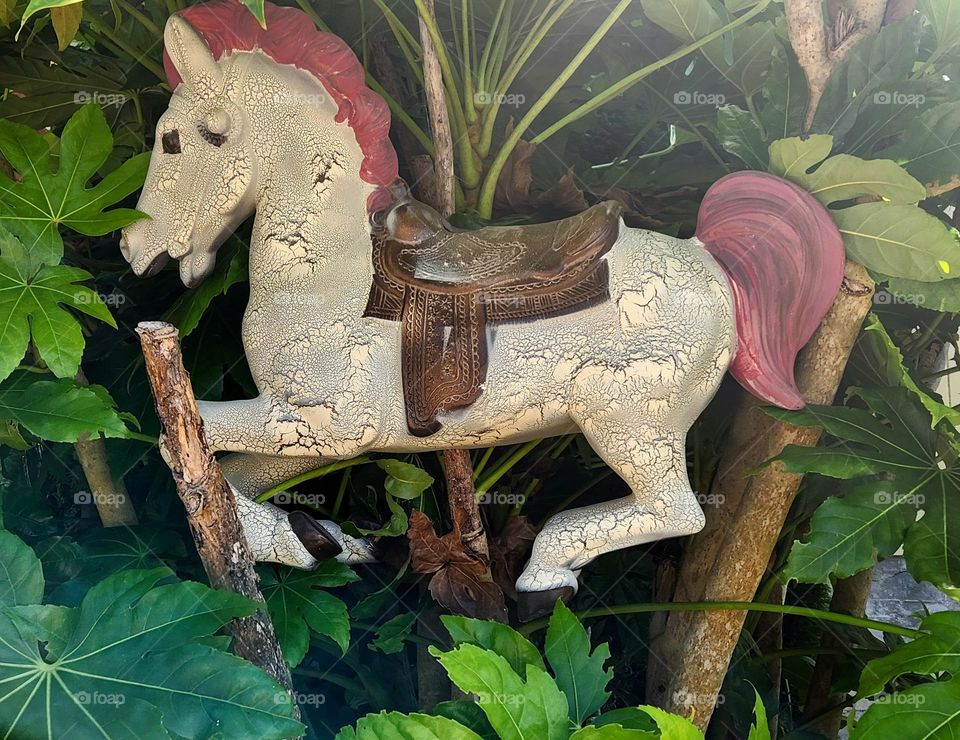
point(171, 142)
point(210, 137)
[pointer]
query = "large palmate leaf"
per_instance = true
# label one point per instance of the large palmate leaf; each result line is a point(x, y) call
point(896, 440)
point(21, 577)
point(518, 709)
point(132, 661)
point(34, 208)
point(59, 411)
point(938, 651)
point(579, 673)
point(891, 235)
point(298, 604)
point(33, 306)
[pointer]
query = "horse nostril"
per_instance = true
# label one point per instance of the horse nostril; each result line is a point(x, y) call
point(158, 263)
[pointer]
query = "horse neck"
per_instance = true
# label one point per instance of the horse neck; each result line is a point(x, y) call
point(311, 241)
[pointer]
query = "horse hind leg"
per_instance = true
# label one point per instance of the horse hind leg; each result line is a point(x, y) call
point(661, 504)
point(276, 536)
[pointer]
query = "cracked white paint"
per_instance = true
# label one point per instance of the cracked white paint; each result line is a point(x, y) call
point(632, 373)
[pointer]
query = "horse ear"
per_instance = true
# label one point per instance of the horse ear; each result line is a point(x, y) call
point(190, 53)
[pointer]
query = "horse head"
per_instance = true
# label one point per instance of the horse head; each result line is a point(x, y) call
point(201, 182)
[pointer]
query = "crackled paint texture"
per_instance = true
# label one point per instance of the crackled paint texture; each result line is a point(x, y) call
point(632, 373)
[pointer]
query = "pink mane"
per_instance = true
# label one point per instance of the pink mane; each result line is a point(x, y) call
point(291, 38)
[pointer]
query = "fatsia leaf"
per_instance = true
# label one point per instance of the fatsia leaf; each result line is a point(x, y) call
point(298, 604)
point(21, 577)
point(34, 208)
point(920, 479)
point(930, 149)
point(579, 674)
point(59, 411)
point(131, 662)
point(407, 726)
point(847, 534)
point(921, 713)
point(518, 651)
point(535, 709)
point(938, 651)
point(33, 302)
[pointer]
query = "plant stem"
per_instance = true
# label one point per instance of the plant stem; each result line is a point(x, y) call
point(484, 459)
point(483, 79)
point(141, 19)
point(341, 492)
point(485, 203)
point(688, 606)
point(310, 475)
point(618, 87)
point(503, 468)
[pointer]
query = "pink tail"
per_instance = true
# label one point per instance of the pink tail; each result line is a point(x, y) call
point(784, 257)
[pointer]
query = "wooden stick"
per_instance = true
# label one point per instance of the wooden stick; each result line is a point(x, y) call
point(211, 507)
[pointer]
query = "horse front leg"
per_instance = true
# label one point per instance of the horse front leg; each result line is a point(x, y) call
point(277, 536)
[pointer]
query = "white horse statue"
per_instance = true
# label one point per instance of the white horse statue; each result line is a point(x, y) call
point(628, 349)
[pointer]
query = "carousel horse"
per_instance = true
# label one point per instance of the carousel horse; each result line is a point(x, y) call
point(374, 326)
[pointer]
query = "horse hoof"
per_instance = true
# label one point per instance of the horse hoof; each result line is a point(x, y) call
point(534, 604)
point(318, 541)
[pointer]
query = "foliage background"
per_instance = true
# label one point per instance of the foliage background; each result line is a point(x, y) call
point(669, 98)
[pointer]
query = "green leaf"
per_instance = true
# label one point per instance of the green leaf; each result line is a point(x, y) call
point(612, 732)
point(940, 295)
point(740, 134)
point(256, 7)
point(59, 411)
point(406, 726)
point(535, 709)
point(899, 240)
point(21, 577)
point(230, 270)
point(688, 20)
point(404, 481)
point(35, 6)
point(518, 651)
point(580, 674)
point(66, 22)
point(930, 150)
point(888, 360)
point(843, 177)
point(932, 545)
point(944, 18)
point(298, 604)
point(631, 718)
point(34, 208)
point(132, 659)
point(396, 525)
point(32, 302)
point(760, 729)
point(673, 726)
point(846, 534)
point(792, 157)
point(851, 463)
point(928, 712)
point(936, 652)
point(393, 633)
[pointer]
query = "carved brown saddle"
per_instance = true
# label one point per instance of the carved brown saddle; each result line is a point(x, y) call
point(445, 285)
